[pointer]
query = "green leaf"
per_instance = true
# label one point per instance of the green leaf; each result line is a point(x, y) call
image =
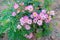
point(46, 29)
point(47, 4)
point(39, 34)
point(11, 35)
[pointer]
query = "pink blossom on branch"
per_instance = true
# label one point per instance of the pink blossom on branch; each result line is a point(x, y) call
point(13, 14)
point(35, 20)
point(27, 27)
point(26, 19)
point(22, 21)
point(38, 17)
point(16, 6)
point(35, 14)
point(29, 8)
point(29, 21)
point(39, 22)
point(43, 11)
point(19, 26)
point(43, 16)
point(31, 16)
point(48, 19)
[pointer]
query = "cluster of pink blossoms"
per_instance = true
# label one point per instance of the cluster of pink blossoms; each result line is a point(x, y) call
point(36, 18)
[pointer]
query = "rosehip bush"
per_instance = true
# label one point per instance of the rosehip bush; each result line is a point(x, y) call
point(26, 19)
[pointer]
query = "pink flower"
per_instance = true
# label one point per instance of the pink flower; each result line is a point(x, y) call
point(43, 11)
point(29, 21)
point(25, 19)
point(46, 16)
point(31, 16)
point(16, 6)
point(22, 21)
point(38, 17)
point(34, 14)
point(29, 36)
point(35, 20)
point(19, 26)
point(48, 19)
point(27, 27)
point(29, 8)
point(13, 14)
point(42, 15)
point(39, 22)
